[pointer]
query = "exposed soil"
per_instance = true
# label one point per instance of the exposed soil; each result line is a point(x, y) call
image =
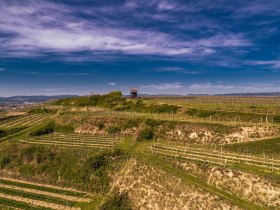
point(254, 188)
point(152, 188)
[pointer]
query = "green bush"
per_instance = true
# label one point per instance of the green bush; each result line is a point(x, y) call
point(109, 100)
point(200, 113)
point(117, 202)
point(276, 119)
point(64, 128)
point(6, 132)
point(41, 111)
point(152, 123)
point(113, 130)
point(46, 129)
point(101, 125)
point(4, 161)
point(131, 123)
point(97, 162)
point(146, 134)
point(37, 154)
point(164, 108)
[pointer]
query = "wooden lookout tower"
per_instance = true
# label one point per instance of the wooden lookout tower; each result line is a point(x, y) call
point(134, 93)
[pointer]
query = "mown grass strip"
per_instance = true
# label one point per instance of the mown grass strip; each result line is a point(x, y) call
point(43, 188)
point(35, 196)
point(16, 204)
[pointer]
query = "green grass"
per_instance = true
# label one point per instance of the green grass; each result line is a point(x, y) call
point(270, 147)
point(35, 196)
point(43, 188)
point(94, 204)
point(16, 204)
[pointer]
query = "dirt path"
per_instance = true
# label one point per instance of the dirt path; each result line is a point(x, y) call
point(42, 185)
point(38, 203)
point(56, 195)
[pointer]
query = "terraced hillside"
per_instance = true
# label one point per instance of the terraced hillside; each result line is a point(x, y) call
point(137, 155)
point(220, 157)
point(74, 140)
point(25, 120)
point(20, 194)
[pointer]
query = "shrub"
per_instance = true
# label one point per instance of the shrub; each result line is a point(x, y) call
point(46, 129)
point(131, 123)
point(152, 123)
point(101, 125)
point(200, 113)
point(4, 161)
point(164, 108)
point(146, 134)
point(40, 111)
point(113, 130)
point(64, 128)
point(3, 133)
point(117, 202)
point(97, 162)
point(39, 154)
point(6, 132)
point(276, 119)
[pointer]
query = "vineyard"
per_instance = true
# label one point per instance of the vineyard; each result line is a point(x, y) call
point(225, 100)
point(151, 153)
point(74, 140)
point(220, 157)
point(29, 195)
point(25, 120)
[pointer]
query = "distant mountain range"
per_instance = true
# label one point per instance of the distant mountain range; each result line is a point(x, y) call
point(227, 94)
point(31, 99)
point(251, 94)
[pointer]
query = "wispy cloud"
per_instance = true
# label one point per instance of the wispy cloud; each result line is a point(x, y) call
point(72, 74)
point(176, 70)
point(207, 86)
point(163, 86)
point(220, 87)
point(112, 83)
point(2, 69)
point(269, 63)
point(42, 28)
point(56, 74)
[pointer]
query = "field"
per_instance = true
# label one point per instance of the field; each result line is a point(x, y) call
point(109, 152)
point(15, 193)
point(220, 157)
point(74, 140)
point(24, 120)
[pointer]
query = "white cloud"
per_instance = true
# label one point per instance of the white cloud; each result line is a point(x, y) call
point(207, 86)
point(2, 69)
point(220, 88)
point(163, 86)
point(112, 83)
point(272, 63)
point(166, 5)
point(46, 27)
point(176, 70)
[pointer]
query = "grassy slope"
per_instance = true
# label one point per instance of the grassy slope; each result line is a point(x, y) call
point(138, 150)
point(268, 147)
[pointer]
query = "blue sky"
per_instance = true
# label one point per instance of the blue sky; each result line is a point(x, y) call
point(159, 46)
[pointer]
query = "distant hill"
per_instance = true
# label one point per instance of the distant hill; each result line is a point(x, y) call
point(251, 94)
point(32, 99)
point(226, 94)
